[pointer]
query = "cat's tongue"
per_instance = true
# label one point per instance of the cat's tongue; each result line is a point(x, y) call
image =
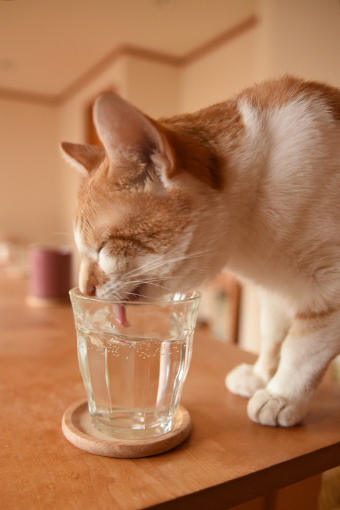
point(119, 313)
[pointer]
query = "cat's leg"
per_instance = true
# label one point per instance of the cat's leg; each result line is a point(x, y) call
point(313, 341)
point(274, 324)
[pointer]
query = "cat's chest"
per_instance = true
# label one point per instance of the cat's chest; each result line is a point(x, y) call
point(274, 272)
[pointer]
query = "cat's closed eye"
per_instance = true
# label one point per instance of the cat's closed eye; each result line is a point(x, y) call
point(109, 263)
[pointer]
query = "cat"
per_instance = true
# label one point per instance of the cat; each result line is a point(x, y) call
point(251, 184)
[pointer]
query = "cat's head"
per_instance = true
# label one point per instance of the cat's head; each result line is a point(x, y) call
point(136, 220)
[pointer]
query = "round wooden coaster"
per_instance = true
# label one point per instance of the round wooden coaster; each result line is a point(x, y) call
point(77, 428)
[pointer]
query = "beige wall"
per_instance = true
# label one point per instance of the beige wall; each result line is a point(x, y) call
point(30, 187)
point(152, 86)
point(301, 37)
point(72, 128)
point(220, 74)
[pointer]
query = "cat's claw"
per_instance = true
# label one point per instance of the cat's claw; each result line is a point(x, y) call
point(274, 410)
point(243, 381)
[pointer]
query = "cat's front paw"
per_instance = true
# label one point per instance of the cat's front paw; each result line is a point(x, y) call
point(274, 410)
point(243, 381)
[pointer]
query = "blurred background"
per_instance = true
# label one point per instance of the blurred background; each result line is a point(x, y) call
point(166, 57)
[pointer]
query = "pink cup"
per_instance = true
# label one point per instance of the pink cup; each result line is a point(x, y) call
point(50, 272)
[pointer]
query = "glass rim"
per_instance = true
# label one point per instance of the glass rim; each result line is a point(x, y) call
point(77, 294)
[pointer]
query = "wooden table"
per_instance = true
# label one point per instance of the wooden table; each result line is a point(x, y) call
point(226, 461)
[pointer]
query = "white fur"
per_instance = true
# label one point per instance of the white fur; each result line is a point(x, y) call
point(300, 266)
point(107, 262)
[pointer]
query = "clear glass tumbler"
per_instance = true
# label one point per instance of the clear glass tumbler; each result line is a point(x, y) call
point(134, 357)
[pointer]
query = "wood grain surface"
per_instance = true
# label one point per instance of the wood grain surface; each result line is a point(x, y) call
point(226, 461)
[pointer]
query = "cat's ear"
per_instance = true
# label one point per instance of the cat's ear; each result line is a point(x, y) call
point(123, 129)
point(85, 158)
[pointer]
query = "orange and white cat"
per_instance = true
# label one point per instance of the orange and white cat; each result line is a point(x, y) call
point(251, 184)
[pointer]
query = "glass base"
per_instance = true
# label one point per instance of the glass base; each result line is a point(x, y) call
point(122, 424)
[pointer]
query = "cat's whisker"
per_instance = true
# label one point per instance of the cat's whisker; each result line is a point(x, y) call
point(158, 285)
point(139, 295)
point(143, 281)
point(158, 263)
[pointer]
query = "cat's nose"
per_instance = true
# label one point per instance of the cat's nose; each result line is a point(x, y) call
point(88, 291)
point(87, 281)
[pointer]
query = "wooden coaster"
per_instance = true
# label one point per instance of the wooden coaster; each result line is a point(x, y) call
point(77, 428)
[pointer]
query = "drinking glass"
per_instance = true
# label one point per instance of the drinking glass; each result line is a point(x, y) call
point(134, 357)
